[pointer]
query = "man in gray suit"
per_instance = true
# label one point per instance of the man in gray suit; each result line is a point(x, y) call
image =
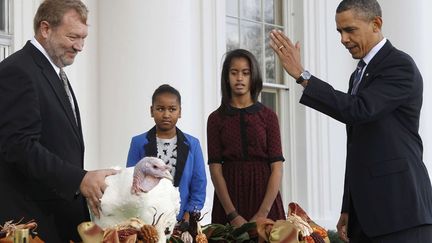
point(387, 190)
point(41, 141)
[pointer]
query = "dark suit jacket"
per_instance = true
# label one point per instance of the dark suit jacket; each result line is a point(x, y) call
point(41, 148)
point(386, 181)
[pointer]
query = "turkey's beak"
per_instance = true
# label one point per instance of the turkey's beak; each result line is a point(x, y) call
point(167, 175)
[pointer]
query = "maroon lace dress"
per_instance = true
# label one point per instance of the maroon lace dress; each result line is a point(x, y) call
point(245, 141)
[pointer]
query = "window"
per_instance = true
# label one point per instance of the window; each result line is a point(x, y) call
point(269, 97)
point(5, 29)
point(248, 24)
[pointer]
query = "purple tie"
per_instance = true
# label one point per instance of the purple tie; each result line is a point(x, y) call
point(357, 76)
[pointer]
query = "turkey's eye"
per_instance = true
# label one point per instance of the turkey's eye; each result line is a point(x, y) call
point(155, 167)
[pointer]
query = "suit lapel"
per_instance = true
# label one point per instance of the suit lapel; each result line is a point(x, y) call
point(58, 88)
point(374, 63)
point(77, 113)
point(54, 81)
point(370, 68)
point(151, 148)
point(182, 154)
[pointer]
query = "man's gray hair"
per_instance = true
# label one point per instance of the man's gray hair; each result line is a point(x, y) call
point(53, 11)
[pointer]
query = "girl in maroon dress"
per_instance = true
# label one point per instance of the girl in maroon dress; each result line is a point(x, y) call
point(244, 147)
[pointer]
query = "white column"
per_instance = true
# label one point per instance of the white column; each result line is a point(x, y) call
point(212, 50)
point(23, 12)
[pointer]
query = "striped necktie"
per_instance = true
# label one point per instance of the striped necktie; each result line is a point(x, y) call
point(64, 79)
point(357, 76)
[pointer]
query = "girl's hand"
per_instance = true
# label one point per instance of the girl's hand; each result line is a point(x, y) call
point(259, 215)
point(238, 221)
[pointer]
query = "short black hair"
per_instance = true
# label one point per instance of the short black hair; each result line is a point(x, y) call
point(369, 9)
point(166, 88)
point(256, 82)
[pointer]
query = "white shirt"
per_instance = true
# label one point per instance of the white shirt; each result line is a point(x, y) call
point(42, 49)
point(372, 53)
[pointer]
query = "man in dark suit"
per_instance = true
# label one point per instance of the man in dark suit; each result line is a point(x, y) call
point(41, 141)
point(387, 191)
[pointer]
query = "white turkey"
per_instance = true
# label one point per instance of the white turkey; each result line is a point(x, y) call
point(145, 192)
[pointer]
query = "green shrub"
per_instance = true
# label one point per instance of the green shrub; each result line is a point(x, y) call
point(334, 237)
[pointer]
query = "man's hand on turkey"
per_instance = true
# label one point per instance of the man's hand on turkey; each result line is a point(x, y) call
point(93, 186)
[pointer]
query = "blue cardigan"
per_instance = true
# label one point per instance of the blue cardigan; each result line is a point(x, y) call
point(190, 174)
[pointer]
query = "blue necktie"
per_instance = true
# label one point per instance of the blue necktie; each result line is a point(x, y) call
point(357, 76)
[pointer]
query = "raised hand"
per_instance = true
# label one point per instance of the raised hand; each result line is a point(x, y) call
point(289, 53)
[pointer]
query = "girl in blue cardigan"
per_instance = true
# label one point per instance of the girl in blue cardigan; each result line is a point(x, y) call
point(180, 150)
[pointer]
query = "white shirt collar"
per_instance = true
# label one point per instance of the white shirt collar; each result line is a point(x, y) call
point(42, 49)
point(374, 51)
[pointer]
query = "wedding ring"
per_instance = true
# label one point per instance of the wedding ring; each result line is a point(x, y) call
point(280, 47)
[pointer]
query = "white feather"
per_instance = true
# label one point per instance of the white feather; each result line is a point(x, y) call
point(119, 205)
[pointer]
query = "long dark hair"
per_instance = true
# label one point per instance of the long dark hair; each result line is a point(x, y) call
point(256, 83)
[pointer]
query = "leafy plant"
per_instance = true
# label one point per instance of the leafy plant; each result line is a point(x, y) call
point(218, 233)
point(334, 237)
point(227, 233)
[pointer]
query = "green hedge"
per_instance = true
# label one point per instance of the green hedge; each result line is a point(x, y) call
point(333, 236)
